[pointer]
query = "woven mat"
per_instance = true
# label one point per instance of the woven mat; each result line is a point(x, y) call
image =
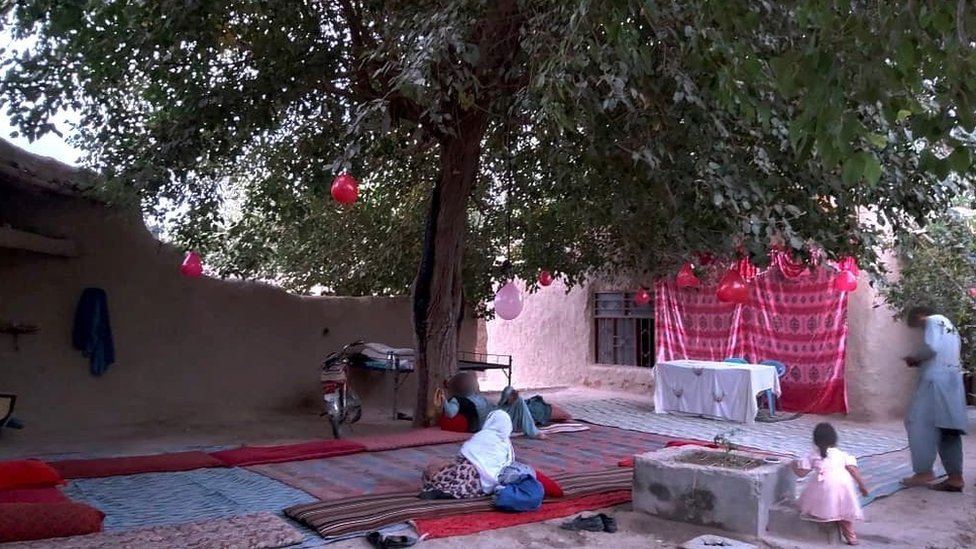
point(393, 471)
point(787, 437)
point(256, 531)
point(153, 499)
point(338, 519)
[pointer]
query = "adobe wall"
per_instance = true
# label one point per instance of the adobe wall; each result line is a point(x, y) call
point(197, 350)
point(552, 343)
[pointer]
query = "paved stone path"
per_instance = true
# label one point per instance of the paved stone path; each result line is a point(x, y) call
point(785, 437)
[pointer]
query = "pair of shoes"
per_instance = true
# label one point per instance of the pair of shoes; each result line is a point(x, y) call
point(381, 541)
point(596, 523)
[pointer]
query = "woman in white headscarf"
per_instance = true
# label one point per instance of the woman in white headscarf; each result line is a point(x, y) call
point(474, 472)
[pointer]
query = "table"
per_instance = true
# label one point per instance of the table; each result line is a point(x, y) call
point(712, 389)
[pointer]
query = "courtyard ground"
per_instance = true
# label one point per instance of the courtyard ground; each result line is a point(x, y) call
point(915, 518)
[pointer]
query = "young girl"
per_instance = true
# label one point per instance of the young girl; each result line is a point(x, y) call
point(830, 497)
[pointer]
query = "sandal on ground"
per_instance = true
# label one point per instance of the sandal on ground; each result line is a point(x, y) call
point(585, 524)
point(946, 487)
point(912, 482)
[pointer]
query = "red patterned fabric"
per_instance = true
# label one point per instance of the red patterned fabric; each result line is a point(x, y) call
point(800, 322)
point(27, 521)
point(787, 265)
point(28, 473)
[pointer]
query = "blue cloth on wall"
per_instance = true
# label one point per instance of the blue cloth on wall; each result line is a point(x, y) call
point(92, 334)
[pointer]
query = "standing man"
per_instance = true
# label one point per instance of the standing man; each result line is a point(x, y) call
point(936, 417)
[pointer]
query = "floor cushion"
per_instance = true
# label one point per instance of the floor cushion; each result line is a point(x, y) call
point(28, 473)
point(133, 465)
point(33, 495)
point(551, 488)
point(456, 424)
point(29, 521)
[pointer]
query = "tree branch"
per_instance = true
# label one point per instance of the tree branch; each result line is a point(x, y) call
point(960, 24)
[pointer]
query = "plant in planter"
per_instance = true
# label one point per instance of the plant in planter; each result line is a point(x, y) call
point(726, 459)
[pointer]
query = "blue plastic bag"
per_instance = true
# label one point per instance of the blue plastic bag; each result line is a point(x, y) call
point(524, 495)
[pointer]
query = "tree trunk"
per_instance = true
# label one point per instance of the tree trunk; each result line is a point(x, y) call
point(438, 300)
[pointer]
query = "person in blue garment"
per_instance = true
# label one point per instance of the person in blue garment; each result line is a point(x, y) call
point(464, 397)
point(936, 418)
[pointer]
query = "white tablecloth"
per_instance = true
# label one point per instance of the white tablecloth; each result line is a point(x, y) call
point(712, 389)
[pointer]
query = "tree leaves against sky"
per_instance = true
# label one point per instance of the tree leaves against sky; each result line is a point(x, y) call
point(638, 132)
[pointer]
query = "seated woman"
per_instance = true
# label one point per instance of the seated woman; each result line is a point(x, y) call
point(464, 397)
point(474, 471)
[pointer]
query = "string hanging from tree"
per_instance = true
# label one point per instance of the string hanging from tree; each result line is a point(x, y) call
point(508, 300)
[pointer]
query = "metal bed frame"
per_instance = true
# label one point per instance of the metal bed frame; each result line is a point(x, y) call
point(467, 362)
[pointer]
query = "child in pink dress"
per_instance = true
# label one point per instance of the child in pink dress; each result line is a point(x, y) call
point(831, 496)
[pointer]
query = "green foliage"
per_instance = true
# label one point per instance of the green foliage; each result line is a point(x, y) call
point(638, 131)
point(938, 270)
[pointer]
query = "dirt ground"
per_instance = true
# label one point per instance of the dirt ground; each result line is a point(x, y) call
point(915, 518)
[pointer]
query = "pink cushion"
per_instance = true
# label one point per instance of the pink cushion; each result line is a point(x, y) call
point(28, 473)
point(33, 495)
point(27, 521)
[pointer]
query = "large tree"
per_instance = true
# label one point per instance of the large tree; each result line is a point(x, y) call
point(598, 134)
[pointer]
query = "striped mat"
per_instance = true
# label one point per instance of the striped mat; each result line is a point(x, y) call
point(339, 519)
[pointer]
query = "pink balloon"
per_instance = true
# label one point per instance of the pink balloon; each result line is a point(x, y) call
point(345, 189)
point(192, 267)
point(545, 278)
point(846, 281)
point(508, 301)
point(642, 297)
point(972, 293)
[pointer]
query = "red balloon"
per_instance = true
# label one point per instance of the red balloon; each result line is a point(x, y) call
point(345, 189)
point(845, 281)
point(192, 267)
point(732, 288)
point(686, 277)
point(642, 297)
point(545, 278)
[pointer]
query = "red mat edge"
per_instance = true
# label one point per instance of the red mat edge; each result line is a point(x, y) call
point(72, 469)
point(463, 525)
point(317, 449)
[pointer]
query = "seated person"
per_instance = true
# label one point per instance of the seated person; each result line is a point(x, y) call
point(464, 397)
point(474, 471)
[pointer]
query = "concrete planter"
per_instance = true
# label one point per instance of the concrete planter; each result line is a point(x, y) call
point(735, 500)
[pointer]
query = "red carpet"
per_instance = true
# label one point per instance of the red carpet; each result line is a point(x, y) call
point(258, 455)
point(463, 525)
point(132, 465)
point(410, 439)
